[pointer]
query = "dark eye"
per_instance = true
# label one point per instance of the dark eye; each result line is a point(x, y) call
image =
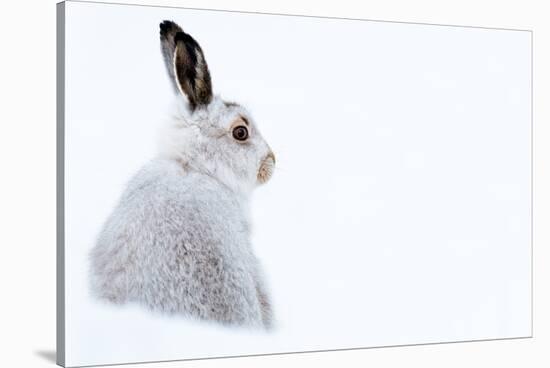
point(240, 133)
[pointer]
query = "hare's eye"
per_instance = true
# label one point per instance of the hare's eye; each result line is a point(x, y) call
point(240, 133)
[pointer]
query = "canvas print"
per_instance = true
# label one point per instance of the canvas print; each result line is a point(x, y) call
point(240, 184)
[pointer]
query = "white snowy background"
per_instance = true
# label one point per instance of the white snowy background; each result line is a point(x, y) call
point(400, 209)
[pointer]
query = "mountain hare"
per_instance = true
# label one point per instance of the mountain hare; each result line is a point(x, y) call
point(178, 241)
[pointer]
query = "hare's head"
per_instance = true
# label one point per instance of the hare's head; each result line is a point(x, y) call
point(207, 134)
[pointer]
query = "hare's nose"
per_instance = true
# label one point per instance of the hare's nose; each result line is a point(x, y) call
point(266, 168)
point(271, 156)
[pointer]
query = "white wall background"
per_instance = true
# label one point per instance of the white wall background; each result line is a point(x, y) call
point(27, 191)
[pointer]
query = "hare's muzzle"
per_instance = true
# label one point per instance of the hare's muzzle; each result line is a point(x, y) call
point(266, 168)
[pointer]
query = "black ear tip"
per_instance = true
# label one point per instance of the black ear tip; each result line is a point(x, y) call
point(165, 26)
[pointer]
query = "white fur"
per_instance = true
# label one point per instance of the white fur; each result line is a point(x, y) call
point(178, 241)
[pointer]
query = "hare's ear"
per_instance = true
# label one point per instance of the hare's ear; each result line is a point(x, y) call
point(186, 64)
point(168, 31)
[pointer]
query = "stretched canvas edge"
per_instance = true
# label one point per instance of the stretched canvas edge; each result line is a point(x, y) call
point(60, 183)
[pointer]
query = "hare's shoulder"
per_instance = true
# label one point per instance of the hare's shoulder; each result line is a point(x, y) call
point(163, 189)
